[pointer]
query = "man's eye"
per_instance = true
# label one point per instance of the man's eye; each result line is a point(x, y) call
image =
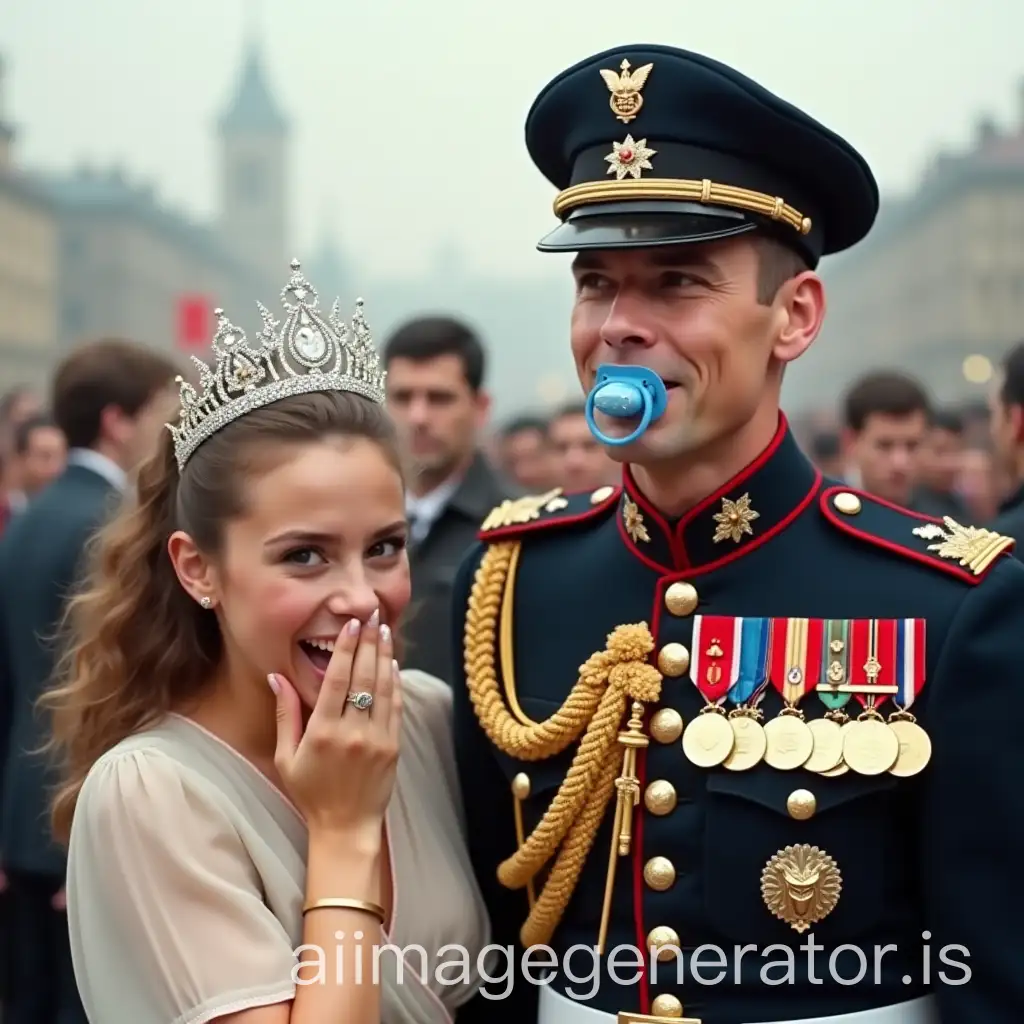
point(678, 279)
point(591, 282)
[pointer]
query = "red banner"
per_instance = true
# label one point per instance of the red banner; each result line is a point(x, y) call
point(195, 321)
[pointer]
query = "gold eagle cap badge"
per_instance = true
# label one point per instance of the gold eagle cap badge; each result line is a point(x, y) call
point(625, 88)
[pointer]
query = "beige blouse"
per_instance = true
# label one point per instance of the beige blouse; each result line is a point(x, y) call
point(186, 878)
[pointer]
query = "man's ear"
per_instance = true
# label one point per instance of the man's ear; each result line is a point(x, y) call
point(847, 443)
point(800, 304)
point(482, 402)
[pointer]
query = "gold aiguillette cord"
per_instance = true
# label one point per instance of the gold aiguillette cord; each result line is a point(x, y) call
point(628, 788)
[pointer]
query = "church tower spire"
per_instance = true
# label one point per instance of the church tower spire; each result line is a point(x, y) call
point(6, 130)
point(254, 134)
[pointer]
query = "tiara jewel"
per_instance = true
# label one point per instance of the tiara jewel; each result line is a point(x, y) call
point(309, 353)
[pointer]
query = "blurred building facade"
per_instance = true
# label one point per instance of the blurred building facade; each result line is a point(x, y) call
point(937, 288)
point(127, 264)
point(92, 253)
point(28, 267)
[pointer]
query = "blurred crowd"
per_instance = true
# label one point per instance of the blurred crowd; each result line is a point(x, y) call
point(891, 438)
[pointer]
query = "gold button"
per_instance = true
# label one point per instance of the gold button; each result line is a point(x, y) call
point(601, 494)
point(660, 797)
point(847, 503)
point(662, 939)
point(521, 786)
point(673, 660)
point(659, 874)
point(681, 598)
point(801, 804)
point(666, 1006)
point(666, 725)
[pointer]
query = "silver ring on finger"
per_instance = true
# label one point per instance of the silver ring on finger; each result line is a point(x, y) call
point(361, 700)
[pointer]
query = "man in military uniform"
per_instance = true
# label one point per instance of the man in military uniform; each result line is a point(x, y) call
point(751, 735)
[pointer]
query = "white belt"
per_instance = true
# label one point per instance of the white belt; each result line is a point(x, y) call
point(558, 1009)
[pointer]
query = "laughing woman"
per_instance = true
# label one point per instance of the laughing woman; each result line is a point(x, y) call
point(254, 797)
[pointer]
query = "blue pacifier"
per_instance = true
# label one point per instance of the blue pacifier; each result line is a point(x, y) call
point(625, 392)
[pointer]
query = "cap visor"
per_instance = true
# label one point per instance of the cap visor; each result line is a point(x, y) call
point(634, 225)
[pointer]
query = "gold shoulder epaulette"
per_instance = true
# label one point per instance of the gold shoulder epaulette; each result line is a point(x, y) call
point(967, 552)
point(516, 516)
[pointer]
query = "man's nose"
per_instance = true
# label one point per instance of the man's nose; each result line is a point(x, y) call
point(902, 458)
point(625, 326)
point(418, 411)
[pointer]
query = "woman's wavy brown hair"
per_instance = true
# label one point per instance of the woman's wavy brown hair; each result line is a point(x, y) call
point(137, 646)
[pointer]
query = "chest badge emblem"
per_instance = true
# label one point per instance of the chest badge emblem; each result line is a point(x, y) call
point(801, 885)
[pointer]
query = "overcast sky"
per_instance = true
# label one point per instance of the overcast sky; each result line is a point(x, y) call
point(408, 115)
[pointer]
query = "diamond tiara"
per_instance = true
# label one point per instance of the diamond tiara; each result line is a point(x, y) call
point(309, 353)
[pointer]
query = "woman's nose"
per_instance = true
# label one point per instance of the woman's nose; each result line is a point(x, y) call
point(354, 601)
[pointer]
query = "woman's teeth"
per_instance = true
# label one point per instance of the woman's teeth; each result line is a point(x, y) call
point(323, 645)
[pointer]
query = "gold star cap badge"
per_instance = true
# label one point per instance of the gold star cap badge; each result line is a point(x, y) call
point(734, 520)
point(629, 157)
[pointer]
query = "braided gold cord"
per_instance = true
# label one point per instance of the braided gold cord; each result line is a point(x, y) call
point(599, 739)
point(596, 704)
point(530, 743)
point(561, 883)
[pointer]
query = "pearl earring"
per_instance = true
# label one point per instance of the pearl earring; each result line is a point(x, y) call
point(205, 602)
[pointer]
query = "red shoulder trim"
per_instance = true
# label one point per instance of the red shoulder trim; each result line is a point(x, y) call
point(891, 527)
point(516, 516)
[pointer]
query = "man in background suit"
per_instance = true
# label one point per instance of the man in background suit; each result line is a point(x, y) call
point(436, 395)
point(16, 406)
point(1006, 425)
point(39, 454)
point(111, 399)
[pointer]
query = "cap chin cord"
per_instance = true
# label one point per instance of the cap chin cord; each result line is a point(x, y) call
point(624, 392)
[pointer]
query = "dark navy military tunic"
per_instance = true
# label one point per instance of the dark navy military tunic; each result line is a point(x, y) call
point(934, 855)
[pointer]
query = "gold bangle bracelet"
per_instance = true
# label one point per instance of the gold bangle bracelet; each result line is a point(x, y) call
point(344, 904)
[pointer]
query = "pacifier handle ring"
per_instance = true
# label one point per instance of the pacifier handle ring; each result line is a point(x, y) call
point(645, 419)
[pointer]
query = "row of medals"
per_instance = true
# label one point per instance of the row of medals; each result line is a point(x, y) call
point(829, 746)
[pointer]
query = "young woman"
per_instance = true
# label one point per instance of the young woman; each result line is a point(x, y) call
point(256, 802)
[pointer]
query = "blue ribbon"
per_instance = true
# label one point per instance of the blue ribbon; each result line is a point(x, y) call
point(753, 670)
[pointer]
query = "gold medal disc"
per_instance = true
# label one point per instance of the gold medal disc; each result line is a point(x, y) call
point(708, 739)
point(749, 746)
point(915, 748)
point(870, 747)
point(828, 745)
point(790, 742)
point(842, 768)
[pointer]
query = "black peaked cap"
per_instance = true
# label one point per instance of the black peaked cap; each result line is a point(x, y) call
point(653, 145)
